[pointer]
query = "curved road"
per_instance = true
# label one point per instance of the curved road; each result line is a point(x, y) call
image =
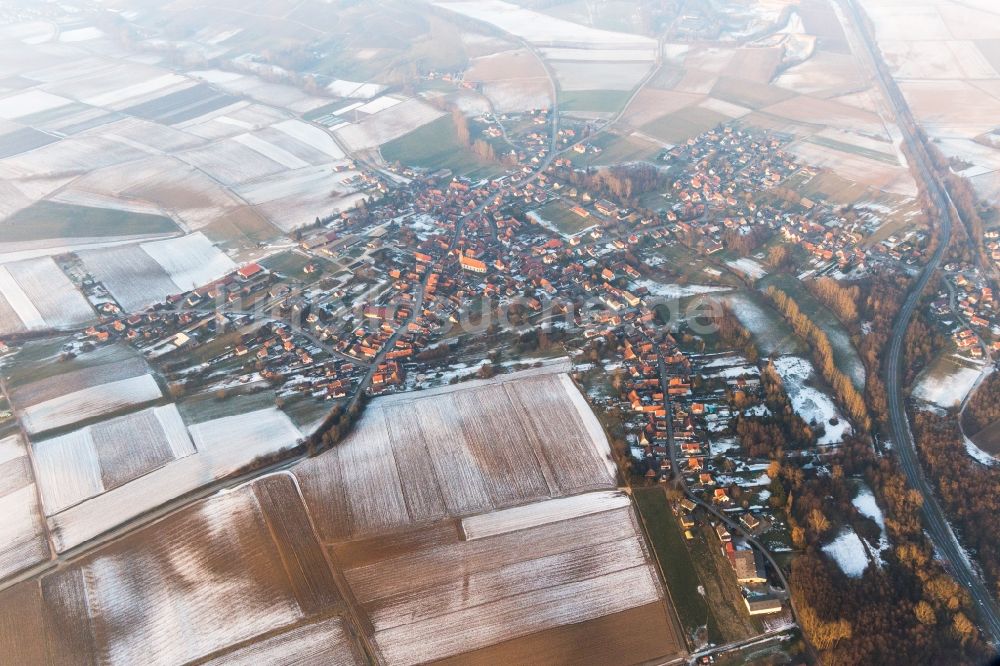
point(943, 537)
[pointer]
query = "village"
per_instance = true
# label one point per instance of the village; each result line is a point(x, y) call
point(398, 293)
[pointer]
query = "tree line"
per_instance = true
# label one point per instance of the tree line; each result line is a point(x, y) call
point(843, 387)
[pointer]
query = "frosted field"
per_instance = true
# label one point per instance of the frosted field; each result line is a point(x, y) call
point(542, 513)
point(311, 136)
point(812, 405)
point(222, 446)
point(295, 199)
point(190, 261)
point(87, 462)
point(490, 445)
point(325, 642)
point(544, 29)
point(23, 540)
point(161, 182)
point(231, 162)
point(602, 55)
point(87, 403)
point(29, 102)
point(749, 267)
point(519, 96)
point(344, 88)
point(390, 124)
point(75, 155)
point(204, 565)
point(41, 297)
point(140, 275)
point(946, 382)
point(600, 76)
point(449, 598)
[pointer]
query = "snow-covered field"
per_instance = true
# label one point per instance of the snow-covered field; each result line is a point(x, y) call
point(812, 405)
point(140, 275)
point(600, 76)
point(41, 296)
point(542, 513)
point(849, 553)
point(86, 462)
point(469, 448)
point(749, 267)
point(946, 382)
point(387, 125)
point(171, 598)
point(453, 597)
point(661, 290)
point(22, 532)
point(546, 30)
point(87, 403)
point(190, 261)
point(222, 446)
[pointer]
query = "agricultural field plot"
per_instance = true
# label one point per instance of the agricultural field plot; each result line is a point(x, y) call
point(64, 221)
point(100, 457)
point(599, 75)
point(140, 275)
point(435, 146)
point(454, 596)
point(222, 447)
point(23, 540)
point(162, 183)
point(137, 599)
point(36, 295)
point(22, 140)
point(294, 199)
point(512, 81)
point(684, 124)
point(231, 162)
point(392, 123)
point(458, 451)
point(325, 642)
point(182, 105)
point(75, 406)
point(947, 380)
point(546, 30)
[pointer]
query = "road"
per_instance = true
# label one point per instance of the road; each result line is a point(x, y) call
point(945, 541)
point(734, 526)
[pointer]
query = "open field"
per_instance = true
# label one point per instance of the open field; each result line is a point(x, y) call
point(222, 446)
point(558, 215)
point(134, 601)
point(546, 30)
point(76, 406)
point(498, 452)
point(23, 540)
point(435, 146)
point(384, 126)
point(46, 219)
point(684, 124)
point(584, 99)
point(141, 275)
point(36, 295)
point(87, 462)
point(675, 561)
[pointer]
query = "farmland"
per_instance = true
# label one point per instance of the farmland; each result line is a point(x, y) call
point(447, 471)
point(22, 534)
point(221, 447)
point(140, 275)
point(46, 220)
point(35, 294)
point(221, 554)
point(435, 146)
point(536, 575)
point(86, 462)
point(75, 406)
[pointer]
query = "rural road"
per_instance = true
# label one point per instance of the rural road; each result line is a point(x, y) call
point(943, 537)
point(733, 526)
